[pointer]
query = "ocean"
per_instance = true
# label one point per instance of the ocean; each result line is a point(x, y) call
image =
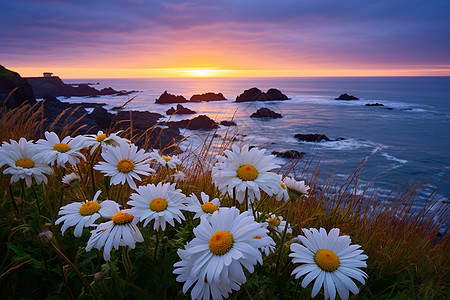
point(407, 139)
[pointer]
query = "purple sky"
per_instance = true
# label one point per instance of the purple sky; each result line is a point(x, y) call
point(232, 35)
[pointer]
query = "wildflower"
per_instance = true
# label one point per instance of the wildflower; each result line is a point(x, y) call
point(124, 163)
point(102, 139)
point(45, 236)
point(277, 224)
point(82, 215)
point(178, 176)
point(21, 162)
point(295, 188)
point(71, 179)
point(282, 194)
point(120, 231)
point(166, 161)
point(246, 170)
point(162, 203)
point(330, 260)
point(53, 150)
point(226, 243)
point(203, 208)
point(202, 288)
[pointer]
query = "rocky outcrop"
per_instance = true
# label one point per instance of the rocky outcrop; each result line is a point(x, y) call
point(264, 112)
point(346, 97)
point(169, 98)
point(292, 154)
point(312, 137)
point(207, 97)
point(255, 94)
point(227, 123)
point(54, 86)
point(201, 122)
point(180, 110)
point(10, 80)
point(374, 104)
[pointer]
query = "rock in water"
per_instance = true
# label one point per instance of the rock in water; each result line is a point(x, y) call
point(10, 80)
point(170, 98)
point(312, 137)
point(264, 112)
point(207, 97)
point(201, 122)
point(292, 154)
point(180, 110)
point(346, 96)
point(255, 94)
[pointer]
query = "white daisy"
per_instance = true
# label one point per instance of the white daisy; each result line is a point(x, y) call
point(71, 179)
point(162, 203)
point(120, 231)
point(295, 188)
point(52, 150)
point(246, 170)
point(330, 260)
point(277, 224)
point(21, 162)
point(203, 208)
point(102, 139)
point(84, 214)
point(124, 163)
point(227, 237)
point(282, 193)
point(178, 176)
point(233, 277)
point(166, 161)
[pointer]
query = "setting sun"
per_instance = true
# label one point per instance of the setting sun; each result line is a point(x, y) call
point(204, 73)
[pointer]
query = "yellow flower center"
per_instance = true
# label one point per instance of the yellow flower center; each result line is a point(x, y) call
point(61, 147)
point(125, 165)
point(166, 158)
point(25, 163)
point(101, 137)
point(122, 218)
point(247, 172)
point(327, 260)
point(257, 237)
point(221, 242)
point(209, 207)
point(275, 222)
point(89, 208)
point(158, 204)
point(283, 186)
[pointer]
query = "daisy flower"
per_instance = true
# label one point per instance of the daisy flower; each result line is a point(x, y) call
point(123, 163)
point(282, 193)
point(166, 161)
point(203, 208)
point(22, 163)
point(120, 231)
point(246, 170)
point(53, 150)
point(102, 139)
point(277, 224)
point(162, 203)
point(84, 214)
point(330, 260)
point(228, 237)
point(71, 179)
point(201, 288)
point(295, 188)
point(178, 176)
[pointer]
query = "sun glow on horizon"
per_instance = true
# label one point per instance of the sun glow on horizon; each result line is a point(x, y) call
point(205, 73)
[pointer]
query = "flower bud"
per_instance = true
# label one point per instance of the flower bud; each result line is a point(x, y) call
point(98, 277)
point(45, 236)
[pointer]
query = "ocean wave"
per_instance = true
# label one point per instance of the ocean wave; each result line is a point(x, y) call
point(393, 158)
point(344, 145)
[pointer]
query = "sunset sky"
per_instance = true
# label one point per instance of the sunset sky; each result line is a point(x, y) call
point(143, 38)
